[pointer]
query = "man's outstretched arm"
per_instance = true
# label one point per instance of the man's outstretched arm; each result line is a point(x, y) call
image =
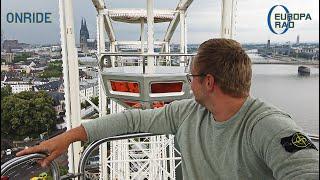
point(157, 121)
point(55, 146)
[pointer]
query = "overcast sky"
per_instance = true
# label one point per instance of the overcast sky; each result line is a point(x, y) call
point(203, 20)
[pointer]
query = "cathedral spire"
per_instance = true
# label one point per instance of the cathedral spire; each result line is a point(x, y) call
point(84, 35)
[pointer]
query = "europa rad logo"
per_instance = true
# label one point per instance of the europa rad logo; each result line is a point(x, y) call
point(280, 19)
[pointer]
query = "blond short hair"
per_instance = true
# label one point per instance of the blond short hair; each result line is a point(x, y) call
point(228, 63)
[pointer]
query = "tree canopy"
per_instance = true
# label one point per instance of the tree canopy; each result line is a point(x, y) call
point(6, 91)
point(27, 114)
point(54, 70)
point(21, 57)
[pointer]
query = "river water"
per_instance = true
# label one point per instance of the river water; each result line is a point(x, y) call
point(280, 85)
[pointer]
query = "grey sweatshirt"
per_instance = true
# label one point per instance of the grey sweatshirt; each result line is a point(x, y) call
point(256, 143)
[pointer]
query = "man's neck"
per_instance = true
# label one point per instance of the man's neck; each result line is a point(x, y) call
point(225, 107)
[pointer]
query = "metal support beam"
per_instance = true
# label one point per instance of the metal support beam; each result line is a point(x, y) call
point(150, 22)
point(100, 7)
point(183, 5)
point(102, 97)
point(70, 74)
point(90, 102)
point(101, 49)
point(142, 38)
point(183, 42)
point(109, 28)
point(98, 4)
point(182, 32)
point(172, 27)
point(227, 19)
point(167, 50)
point(113, 49)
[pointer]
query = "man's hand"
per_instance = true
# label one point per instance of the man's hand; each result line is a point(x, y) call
point(56, 146)
point(53, 148)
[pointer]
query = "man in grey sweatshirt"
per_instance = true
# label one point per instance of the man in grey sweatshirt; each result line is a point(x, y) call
point(223, 133)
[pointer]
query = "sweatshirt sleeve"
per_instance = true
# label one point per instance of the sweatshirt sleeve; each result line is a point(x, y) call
point(164, 120)
point(285, 148)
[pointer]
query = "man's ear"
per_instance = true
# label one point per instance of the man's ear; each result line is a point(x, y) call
point(210, 81)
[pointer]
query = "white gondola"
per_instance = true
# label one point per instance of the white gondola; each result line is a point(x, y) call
point(138, 79)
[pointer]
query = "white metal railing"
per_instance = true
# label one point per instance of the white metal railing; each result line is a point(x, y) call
point(31, 158)
point(159, 58)
point(140, 158)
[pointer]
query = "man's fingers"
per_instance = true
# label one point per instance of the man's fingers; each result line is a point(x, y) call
point(46, 162)
point(39, 161)
point(31, 150)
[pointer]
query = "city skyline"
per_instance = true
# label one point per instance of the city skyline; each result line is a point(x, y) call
point(177, 43)
point(249, 29)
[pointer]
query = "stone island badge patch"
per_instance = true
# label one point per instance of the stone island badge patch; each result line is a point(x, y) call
point(296, 142)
